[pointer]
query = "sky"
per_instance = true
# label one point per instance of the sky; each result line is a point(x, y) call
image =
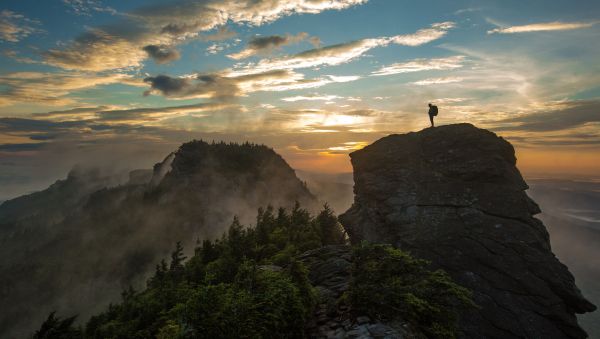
point(120, 84)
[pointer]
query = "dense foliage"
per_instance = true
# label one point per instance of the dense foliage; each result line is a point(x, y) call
point(248, 285)
point(57, 328)
point(245, 284)
point(389, 284)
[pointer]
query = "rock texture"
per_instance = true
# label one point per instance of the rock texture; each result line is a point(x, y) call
point(329, 271)
point(453, 195)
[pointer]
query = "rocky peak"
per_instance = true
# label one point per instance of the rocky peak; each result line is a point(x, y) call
point(453, 195)
point(253, 174)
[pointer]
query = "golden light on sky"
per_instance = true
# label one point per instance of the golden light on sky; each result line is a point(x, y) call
point(124, 83)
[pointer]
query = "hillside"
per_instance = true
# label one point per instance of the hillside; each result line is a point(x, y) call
point(76, 245)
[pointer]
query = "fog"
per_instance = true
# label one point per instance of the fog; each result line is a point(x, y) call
point(569, 211)
point(75, 246)
point(105, 229)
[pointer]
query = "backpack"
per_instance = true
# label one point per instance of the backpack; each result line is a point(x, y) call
point(434, 110)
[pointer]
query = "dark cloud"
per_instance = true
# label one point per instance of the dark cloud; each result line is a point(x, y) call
point(569, 115)
point(168, 86)
point(202, 86)
point(70, 112)
point(43, 137)
point(213, 85)
point(577, 139)
point(156, 112)
point(266, 44)
point(20, 147)
point(162, 54)
point(31, 125)
point(268, 41)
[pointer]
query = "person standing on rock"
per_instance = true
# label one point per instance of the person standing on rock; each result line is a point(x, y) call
point(433, 111)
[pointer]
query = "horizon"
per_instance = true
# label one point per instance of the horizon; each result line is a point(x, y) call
point(102, 83)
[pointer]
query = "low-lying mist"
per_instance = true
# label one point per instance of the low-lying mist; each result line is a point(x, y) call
point(75, 246)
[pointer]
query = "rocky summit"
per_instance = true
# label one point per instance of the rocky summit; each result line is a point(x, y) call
point(453, 195)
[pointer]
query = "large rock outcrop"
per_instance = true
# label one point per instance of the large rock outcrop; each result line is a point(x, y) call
point(453, 195)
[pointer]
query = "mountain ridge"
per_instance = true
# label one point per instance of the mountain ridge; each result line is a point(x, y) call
point(84, 239)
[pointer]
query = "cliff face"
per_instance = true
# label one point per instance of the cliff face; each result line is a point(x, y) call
point(453, 195)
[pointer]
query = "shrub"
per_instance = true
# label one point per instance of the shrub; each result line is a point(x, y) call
point(389, 284)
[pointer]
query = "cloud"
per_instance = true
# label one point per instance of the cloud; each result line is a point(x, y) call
point(418, 65)
point(120, 45)
point(21, 147)
point(467, 10)
point(312, 97)
point(266, 44)
point(542, 27)
point(86, 7)
point(14, 26)
point(53, 88)
point(224, 86)
point(425, 35)
point(153, 114)
point(566, 115)
point(342, 53)
point(223, 33)
point(9, 53)
point(329, 55)
point(116, 114)
point(102, 49)
point(162, 54)
point(437, 81)
point(77, 113)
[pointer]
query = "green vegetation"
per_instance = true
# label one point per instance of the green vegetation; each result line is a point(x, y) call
point(389, 284)
point(229, 288)
point(248, 285)
point(57, 328)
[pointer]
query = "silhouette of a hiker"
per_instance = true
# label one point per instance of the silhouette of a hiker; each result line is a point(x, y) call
point(433, 111)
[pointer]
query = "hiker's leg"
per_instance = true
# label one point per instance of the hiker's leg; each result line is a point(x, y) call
point(431, 119)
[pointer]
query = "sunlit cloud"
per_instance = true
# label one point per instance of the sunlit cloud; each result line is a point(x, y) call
point(543, 26)
point(437, 81)
point(347, 147)
point(425, 35)
point(314, 97)
point(225, 86)
point(123, 115)
point(120, 45)
point(418, 65)
point(343, 78)
point(157, 114)
point(53, 88)
point(15, 26)
point(333, 55)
